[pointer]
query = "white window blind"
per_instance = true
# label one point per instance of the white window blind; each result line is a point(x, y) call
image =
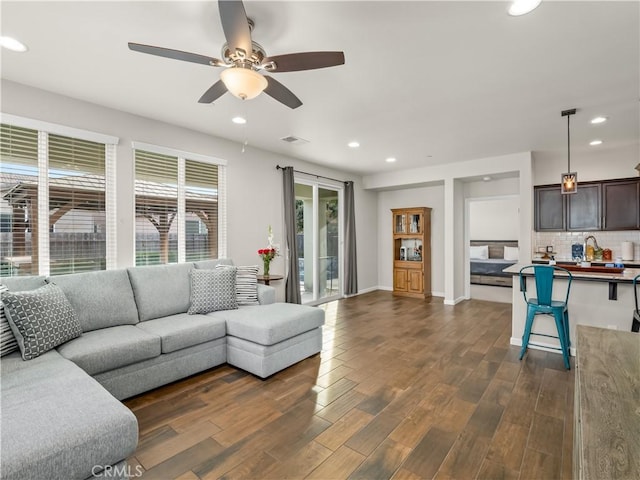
point(52, 203)
point(77, 220)
point(177, 208)
point(156, 185)
point(201, 205)
point(19, 200)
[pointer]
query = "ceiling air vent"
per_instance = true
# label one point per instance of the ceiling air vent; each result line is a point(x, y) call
point(294, 140)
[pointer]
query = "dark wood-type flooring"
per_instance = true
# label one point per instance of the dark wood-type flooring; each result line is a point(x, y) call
point(404, 389)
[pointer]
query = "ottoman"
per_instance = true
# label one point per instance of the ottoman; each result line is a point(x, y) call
point(272, 338)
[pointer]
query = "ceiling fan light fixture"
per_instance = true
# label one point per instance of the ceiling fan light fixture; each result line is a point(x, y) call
point(522, 7)
point(243, 83)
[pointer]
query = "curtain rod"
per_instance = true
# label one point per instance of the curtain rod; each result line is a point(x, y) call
point(278, 167)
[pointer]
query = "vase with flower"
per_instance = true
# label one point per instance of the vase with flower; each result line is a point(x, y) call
point(267, 255)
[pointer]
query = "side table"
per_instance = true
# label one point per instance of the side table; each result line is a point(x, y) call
point(269, 278)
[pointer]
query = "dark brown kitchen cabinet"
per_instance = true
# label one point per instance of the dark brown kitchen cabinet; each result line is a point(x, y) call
point(549, 209)
point(603, 205)
point(584, 211)
point(621, 205)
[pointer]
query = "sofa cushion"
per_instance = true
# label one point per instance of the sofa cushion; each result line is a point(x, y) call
point(8, 342)
point(40, 319)
point(270, 324)
point(246, 283)
point(213, 290)
point(21, 284)
point(58, 422)
point(101, 299)
point(184, 330)
point(101, 350)
point(161, 290)
point(211, 264)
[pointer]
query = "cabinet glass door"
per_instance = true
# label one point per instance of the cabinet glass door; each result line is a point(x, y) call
point(399, 222)
point(415, 223)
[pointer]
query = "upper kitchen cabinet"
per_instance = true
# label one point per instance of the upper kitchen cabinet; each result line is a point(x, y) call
point(604, 205)
point(549, 209)
point(584, 208)
point(621, 205)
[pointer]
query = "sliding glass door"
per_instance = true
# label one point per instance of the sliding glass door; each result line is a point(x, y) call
point(319, 236)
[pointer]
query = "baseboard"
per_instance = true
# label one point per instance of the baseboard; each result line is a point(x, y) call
point(437, 294)
point(551, 348)
point(370, 289)
point(454, 302)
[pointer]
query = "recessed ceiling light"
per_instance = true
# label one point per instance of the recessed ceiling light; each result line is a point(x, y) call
point(353, 144)
point(593, 143)
point(597, 120)
point(390, 160)
point(239, 120)
point(522, 7)
point(486, 179)
point(12, 44)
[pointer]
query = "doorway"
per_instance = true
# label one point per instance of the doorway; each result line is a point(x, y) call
point(319, 240)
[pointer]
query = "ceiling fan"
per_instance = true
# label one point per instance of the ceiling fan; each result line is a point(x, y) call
point(244, 61)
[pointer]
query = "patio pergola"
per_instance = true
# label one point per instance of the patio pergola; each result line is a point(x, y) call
point(155, 202)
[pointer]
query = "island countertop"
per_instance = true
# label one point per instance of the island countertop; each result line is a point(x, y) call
point(626, 276)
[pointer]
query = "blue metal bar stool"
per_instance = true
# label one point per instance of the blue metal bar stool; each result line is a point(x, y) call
point(635, 325)
point(545, 305)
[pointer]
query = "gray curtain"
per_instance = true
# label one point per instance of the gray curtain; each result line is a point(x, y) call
point(292, 287)
point(351, 263)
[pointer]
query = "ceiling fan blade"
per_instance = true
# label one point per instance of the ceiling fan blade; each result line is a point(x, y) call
point(215, 91)
point(176, 54)
point(235, 25)
point(294, 62)
point(281, 93)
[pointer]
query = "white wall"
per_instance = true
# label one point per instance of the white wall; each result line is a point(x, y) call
point(601, 163)
point(411, 197)
point(451, 175)
point(254, 186)
point(494, 218)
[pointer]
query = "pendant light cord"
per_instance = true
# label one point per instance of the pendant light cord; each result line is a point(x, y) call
point(568, 144)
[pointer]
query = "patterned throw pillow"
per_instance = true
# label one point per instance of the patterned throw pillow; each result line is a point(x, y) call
point(41, 319)
point(213, 290)
point(246, 284)
point(8, 341)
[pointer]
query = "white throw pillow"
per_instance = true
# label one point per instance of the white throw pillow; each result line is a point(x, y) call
point(479, 253)
point(511, 253)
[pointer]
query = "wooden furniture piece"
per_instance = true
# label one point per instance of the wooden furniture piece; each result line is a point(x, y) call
point(266, 279)
point(602, 205)
point(606, 438)
point(412, 252)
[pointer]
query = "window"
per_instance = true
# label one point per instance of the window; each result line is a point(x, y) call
point(53, 200)
point(19, 201)
point(177, 207)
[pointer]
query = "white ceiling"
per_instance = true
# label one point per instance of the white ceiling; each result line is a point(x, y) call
point(425, 82)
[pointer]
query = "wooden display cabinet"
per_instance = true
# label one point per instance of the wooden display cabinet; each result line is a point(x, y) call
point(412, 252)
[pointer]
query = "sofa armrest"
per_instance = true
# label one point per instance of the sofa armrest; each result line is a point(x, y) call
point(266, 294)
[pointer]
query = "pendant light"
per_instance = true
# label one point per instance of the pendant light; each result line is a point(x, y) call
point(569, 180)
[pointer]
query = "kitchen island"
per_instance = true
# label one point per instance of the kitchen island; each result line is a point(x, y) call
point(596, 299)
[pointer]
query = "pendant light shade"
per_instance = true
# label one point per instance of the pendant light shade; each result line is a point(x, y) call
point(243, 83)
point(569, 180)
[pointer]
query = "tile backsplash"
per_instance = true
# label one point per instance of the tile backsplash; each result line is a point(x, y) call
point(562, 241)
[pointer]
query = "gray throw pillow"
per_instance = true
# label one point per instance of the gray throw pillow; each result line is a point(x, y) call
point(213, 290)
point(40, 319)
point(246, 284)
point(8, 343)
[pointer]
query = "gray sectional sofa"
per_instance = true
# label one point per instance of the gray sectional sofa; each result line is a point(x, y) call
point(60, 412)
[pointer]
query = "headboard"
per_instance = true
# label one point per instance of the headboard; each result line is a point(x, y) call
point(496, 247)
